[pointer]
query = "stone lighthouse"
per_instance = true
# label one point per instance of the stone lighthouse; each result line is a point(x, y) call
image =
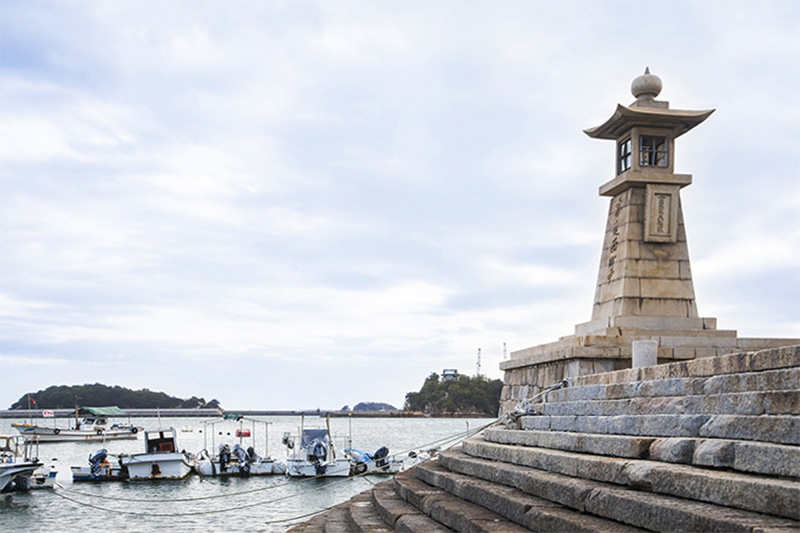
point(644, 288)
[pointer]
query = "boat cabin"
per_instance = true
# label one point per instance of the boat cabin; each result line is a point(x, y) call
point(160, 441)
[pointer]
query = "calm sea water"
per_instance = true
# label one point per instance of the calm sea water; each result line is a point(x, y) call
point(264, 503)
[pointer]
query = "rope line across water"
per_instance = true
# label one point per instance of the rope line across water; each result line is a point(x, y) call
point(60, 490)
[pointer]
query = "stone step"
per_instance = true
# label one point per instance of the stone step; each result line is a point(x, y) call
point(400, 515)
point(747, 403)
point(337, 519)
point(777, 429)
point(528, 511)
point(448, 509)
point(738, 363)
point(771, 380)
point(777, 497)
point(363, 516)
point(314, 525)
point(743, 456)
point(655, 512)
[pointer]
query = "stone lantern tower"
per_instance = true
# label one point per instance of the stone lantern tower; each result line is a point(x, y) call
point(644, 292)
point(644, 279)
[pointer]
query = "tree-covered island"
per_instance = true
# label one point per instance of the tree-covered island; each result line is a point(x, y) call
point(456, 395)
point(98, 395)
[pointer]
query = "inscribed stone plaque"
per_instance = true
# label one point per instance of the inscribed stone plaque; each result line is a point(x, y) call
point(661, 213)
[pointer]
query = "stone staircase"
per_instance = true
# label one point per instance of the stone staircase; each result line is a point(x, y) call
point(711, 444)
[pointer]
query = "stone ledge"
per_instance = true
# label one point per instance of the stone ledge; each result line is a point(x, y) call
point(528, 511)
point(742, 491)
point(363, 516)
point(448, 509)
point(743, 403)
point(637, 508)
point(778, 429)
point(734, 363)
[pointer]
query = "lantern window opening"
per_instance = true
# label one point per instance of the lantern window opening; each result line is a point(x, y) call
point(652, 151)
point(625, 151)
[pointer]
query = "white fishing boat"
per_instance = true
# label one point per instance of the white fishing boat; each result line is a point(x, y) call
point(16, 464)
point(161, 459)
point(44, 477)
point(313, 455)
point(236, 461)
point(99, 469)
point(93, 427)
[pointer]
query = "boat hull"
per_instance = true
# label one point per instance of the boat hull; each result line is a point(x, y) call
point(17, 475)
point(174, 465)
point(208, 468)
point(44, 434)
point(84, 473)
point(301, 468)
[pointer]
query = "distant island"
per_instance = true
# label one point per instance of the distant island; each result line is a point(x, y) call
point(454, 394)
point(98, 395)
point(370, 406)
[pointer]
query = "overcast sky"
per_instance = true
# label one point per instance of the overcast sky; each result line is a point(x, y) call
point(310, 204)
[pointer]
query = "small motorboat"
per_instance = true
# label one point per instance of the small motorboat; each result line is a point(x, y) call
point(236, 462)
point(44, 477)
point(161, 459)
point(16, 464)
point(93, 427)
point(380, 462)
point(99, 469)
point(315, 455)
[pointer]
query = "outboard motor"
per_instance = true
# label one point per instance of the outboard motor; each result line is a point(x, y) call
point(380, 456)
point(224, 457)
point(243, 458)
point(251, 453)
point(97, 459)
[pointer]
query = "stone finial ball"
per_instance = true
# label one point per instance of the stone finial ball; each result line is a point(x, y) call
point(647, 85)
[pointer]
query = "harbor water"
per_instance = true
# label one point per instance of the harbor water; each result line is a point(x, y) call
point(263, 503)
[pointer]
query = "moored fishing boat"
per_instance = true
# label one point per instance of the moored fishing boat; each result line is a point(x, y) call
point(380, 462)
point(236, 461)
point(161, 459)
point(93, 427)
point(99, 469)
point(314, 455)
point(16, 464)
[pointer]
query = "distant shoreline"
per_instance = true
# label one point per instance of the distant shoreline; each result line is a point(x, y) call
point(212, 413)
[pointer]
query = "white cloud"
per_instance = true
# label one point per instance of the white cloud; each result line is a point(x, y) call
point(334, 183)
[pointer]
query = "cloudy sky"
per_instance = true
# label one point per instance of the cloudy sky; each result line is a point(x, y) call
point(310, 204)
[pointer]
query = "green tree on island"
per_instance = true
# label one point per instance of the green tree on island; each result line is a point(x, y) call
point(458, 396)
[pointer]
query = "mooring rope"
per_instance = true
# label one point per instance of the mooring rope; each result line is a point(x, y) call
point(451, 439)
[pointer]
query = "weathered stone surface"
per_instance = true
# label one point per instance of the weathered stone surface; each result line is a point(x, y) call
point(336, 520)
point(642, 509)
point(767, 459)
point(614, 445)
point(363, 515)
point(389, 505)
point(777, 429)
point(723, 488)
point(673, 450)
point(452, 511)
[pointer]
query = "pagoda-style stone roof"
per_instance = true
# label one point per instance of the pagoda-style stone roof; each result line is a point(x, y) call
point(624, 118)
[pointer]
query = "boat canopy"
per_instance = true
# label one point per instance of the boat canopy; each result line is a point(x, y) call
point(311, 435)
point(103, 411)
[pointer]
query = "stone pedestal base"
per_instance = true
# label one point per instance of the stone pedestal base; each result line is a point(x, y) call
point(607, 349)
